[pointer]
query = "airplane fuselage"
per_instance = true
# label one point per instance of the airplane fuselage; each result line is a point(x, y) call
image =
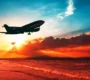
point(32, 27)
point(14, 30)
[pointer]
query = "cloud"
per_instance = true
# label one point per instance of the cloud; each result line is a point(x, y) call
point(70, 8)
point(55, 46)
point(51, 42)
point(69, 11)
point(60, 15)
point(78, 46)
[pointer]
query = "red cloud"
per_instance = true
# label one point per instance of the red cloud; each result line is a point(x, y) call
point(58, 47)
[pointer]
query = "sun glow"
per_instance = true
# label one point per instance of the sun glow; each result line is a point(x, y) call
point(17, 39)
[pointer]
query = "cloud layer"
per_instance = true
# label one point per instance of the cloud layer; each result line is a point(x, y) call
point(58, 47)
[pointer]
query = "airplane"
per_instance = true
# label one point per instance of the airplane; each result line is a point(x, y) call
point(31, 27)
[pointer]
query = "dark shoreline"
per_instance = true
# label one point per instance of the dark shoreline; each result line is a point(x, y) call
point(43, 58)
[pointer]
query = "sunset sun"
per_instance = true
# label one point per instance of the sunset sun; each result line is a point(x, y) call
point(17, 39)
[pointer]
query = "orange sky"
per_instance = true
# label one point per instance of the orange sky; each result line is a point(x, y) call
point(78, 46)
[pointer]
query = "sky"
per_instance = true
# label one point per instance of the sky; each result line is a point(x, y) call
point(60, 16)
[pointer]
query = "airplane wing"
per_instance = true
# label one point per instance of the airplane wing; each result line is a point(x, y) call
point(34, 24)
point(2, 32)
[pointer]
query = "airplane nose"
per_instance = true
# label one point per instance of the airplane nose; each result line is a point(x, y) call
point(42, 22)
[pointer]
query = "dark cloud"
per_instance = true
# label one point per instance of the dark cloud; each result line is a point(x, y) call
point(32, 49)
point(52, 42)
point(80, 31)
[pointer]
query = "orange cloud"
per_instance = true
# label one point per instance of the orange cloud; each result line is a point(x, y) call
point(78, 46)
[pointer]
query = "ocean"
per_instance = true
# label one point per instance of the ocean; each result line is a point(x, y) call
point(27, 69)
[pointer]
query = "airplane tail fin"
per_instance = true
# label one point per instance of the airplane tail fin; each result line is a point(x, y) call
point(6, 27)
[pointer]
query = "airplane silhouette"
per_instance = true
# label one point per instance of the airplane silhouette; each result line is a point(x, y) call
point(31, 27)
